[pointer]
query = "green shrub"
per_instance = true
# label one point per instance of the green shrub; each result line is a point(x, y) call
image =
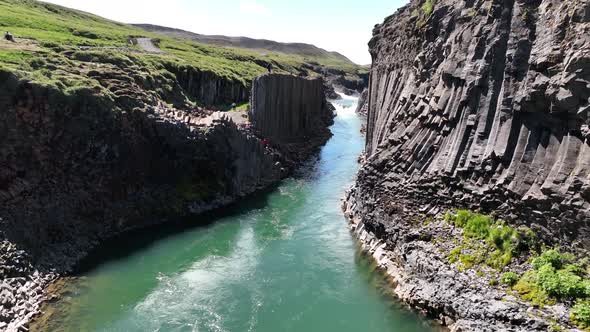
point(468, 261)
point(580, 314)
point(552, 257)
point(454, 255)
point(505, 238)
point(528, 289)
point(575, 268)
point(561, 284)
point(428, 7)
point(499, 259)
point(504, 241)
point(462, 217)
point(478, 226)
point(509, 278)
point(527, 239)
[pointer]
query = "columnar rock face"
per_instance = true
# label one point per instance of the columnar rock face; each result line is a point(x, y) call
point(486, 104)
point(480, 104)
point(210, 89)
point(77, 169)
point(288, 108)
point(363, 105)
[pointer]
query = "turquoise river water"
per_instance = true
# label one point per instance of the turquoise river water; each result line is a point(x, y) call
point(280, 261)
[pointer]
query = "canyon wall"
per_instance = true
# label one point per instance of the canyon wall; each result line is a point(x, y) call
point(478, 104)
point(82, 167)
point(75, 170)
point(287, 108)
point(485, 104)
point(209, 88)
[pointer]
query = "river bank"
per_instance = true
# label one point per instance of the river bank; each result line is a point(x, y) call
point(279, 261)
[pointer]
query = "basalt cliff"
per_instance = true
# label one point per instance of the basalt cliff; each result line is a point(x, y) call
point(480, 105)
point(78, 169)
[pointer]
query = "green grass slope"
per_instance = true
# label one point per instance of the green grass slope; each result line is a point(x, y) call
point(309, 53)
point(58, 46)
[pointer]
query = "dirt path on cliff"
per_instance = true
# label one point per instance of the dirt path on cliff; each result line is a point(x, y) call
point(147, 45)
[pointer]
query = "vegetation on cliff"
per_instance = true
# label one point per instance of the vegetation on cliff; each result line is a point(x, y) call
point(62, 47)
point(546, 276)
point(487, 241)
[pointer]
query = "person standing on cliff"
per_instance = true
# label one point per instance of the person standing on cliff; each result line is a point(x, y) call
point(269, 67)
point(8, 36)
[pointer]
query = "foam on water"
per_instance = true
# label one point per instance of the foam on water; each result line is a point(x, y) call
point(346, 106)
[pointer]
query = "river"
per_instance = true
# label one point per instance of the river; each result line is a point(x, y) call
point(280, 261)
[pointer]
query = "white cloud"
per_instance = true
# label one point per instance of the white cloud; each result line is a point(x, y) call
point(252, 7)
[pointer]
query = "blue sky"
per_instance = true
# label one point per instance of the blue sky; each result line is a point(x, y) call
point(344, 25)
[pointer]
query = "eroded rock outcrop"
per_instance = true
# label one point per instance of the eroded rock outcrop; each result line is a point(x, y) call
point(476, 104)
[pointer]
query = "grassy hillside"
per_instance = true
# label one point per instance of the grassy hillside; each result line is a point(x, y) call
point(59, 46)
point(309, 53)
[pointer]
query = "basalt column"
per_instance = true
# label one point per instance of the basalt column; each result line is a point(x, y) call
point(289, 109)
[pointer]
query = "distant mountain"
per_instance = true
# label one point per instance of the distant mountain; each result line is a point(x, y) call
point(305, 50)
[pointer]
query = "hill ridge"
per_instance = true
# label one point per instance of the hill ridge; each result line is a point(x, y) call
point(299, 48)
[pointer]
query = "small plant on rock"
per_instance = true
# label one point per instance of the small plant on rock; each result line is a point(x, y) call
point(551, 257)
point(428, 7)
point(426, 10)
point(509, 278)
point(478, 226)
point(527, 288)
point(581, 314)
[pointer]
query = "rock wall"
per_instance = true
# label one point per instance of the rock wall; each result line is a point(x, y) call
point(77, 169)
point(363, 105)
point(485, 104)
point(209, 88)
point(287, 109)
point(482, 105)
point(82, 169)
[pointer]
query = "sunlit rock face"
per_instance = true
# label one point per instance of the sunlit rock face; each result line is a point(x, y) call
point(485, 104)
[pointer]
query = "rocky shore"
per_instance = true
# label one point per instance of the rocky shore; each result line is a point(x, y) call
point(413, 254)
